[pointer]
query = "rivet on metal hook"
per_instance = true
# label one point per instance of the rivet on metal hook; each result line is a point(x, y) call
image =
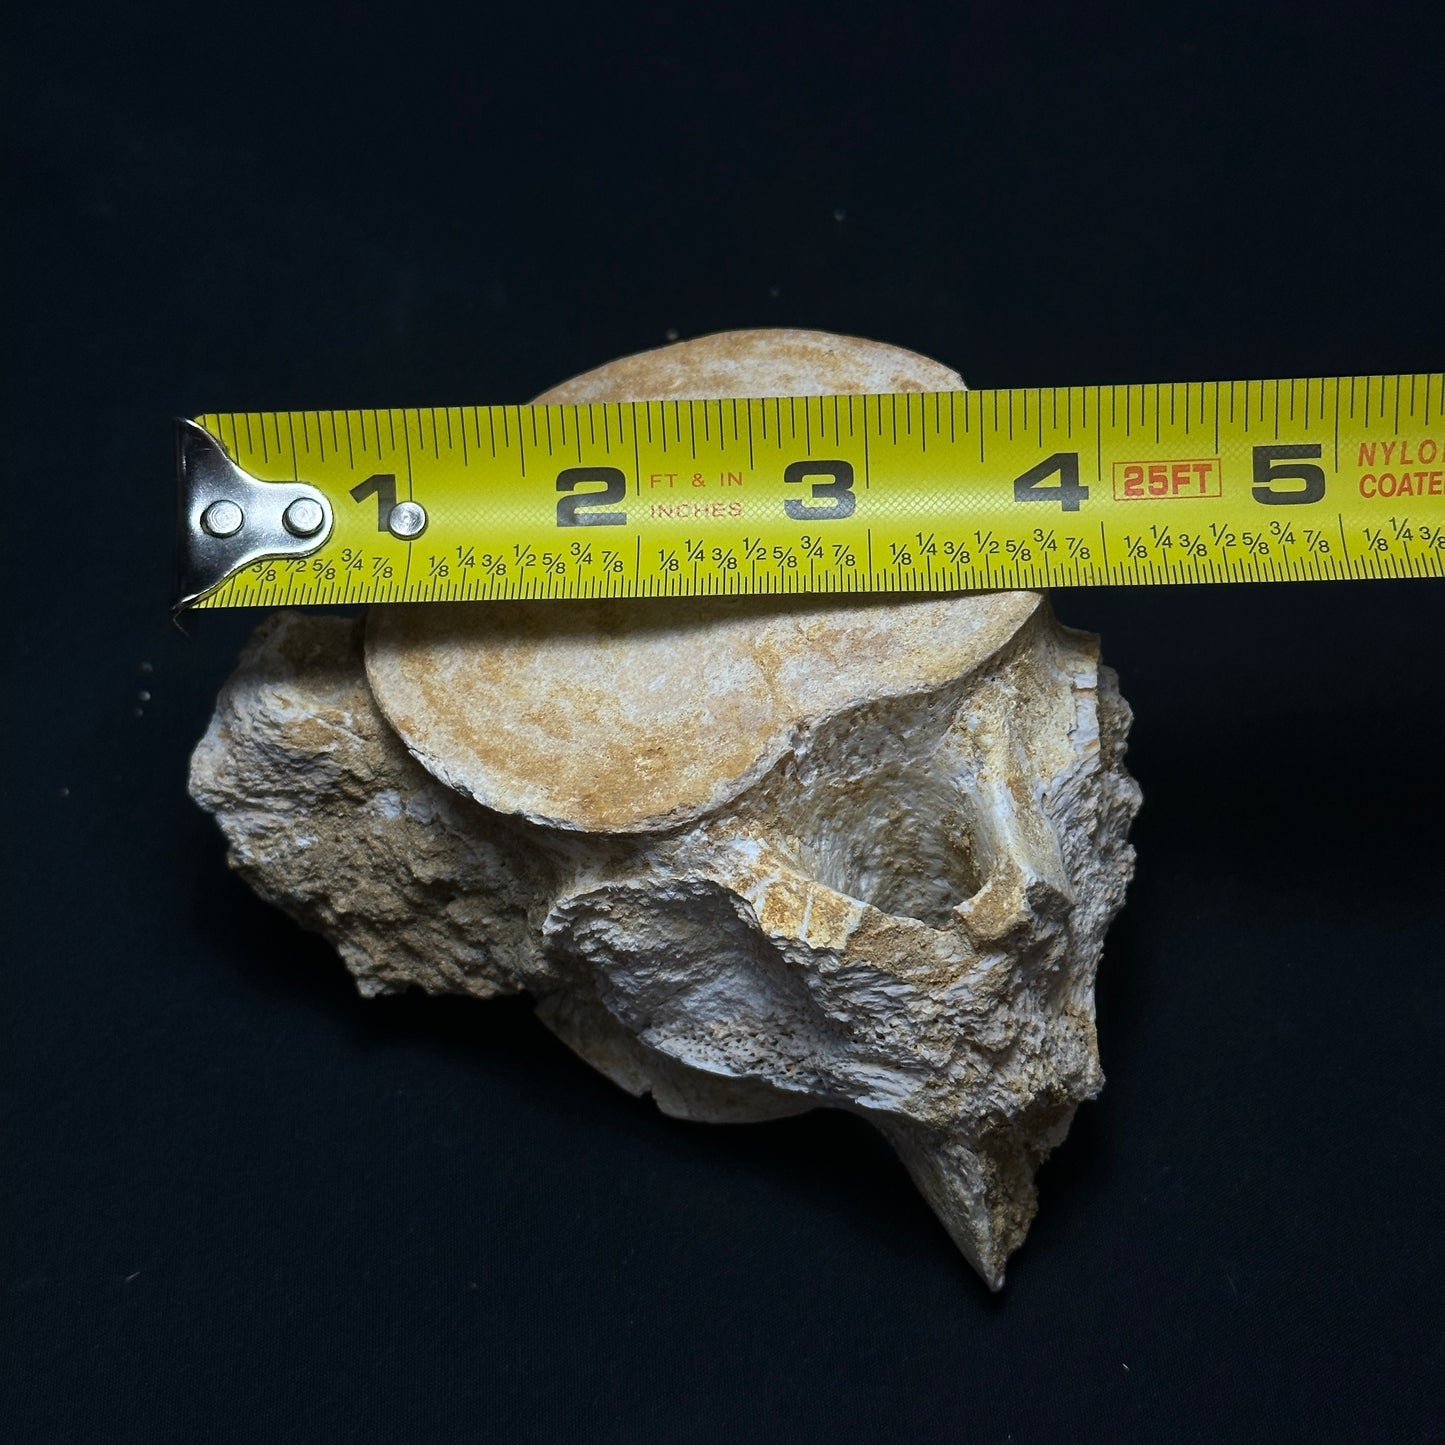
point(223, 519)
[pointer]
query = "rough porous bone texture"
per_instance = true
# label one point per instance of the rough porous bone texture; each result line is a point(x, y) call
point(751, 857)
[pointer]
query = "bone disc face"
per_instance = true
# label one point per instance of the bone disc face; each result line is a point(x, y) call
point(633, 716)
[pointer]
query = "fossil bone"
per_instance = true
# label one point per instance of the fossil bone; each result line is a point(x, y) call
point(750, 857)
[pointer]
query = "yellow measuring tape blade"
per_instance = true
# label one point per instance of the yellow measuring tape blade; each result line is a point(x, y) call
point(1033, 487)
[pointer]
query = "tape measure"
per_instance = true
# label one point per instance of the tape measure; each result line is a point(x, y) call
point(1258, 481)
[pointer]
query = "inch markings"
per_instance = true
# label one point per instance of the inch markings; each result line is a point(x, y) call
point(1192, 483)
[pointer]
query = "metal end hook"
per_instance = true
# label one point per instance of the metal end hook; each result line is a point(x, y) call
point(227, 519)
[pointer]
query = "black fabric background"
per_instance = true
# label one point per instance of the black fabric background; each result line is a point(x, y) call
point(240, 1203)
